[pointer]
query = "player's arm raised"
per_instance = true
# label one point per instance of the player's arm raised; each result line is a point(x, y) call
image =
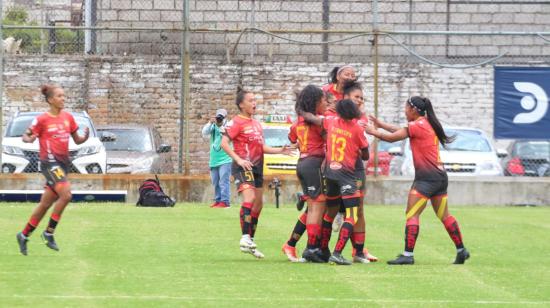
point(396, 135)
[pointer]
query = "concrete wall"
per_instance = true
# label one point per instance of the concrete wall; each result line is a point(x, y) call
point(343, 15)
point(146, 90)
point(385, 191)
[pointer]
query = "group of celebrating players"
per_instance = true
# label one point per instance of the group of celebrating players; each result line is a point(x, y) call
point(330, 134)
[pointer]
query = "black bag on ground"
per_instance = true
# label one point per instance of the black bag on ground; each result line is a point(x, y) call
point(151, 194)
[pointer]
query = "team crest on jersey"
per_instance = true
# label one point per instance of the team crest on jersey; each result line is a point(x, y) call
point(335, 165)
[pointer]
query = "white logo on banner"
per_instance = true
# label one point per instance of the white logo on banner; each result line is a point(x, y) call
point(536, 103)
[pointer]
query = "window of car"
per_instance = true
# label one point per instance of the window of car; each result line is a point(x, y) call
point(19, 124)
point(276, 137)
point(532, 148)
point(467, 140)
point(134, 140)
point(384, 146)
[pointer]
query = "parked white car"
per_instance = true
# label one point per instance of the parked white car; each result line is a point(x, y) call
point(20, 157)
point(470, 154)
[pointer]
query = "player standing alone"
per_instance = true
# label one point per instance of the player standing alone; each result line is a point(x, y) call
point(247, 168)
point(430, 180)
point(53, 130)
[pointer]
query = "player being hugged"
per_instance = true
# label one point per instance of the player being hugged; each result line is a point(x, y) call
point(346, 141)
point(247, 168)
point(53, 130)
point(430, 180)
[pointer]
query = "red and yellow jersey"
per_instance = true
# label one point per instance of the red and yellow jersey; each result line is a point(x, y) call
point(425, 150)
point(331, 88)
point(345, 140)
point(363, 120)
point(309, 138)
point(54, 133)
point(247, 137)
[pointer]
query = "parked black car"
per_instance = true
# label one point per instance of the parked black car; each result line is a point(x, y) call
point(528, 158)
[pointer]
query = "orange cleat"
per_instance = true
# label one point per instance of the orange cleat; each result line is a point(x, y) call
point(367, 255)
point(290, 253)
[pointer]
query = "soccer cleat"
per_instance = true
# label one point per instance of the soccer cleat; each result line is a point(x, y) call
point(22, 241)
point(247, 242)
point(300, 201)
point(338, 222)
point(221, 205)
point(462, 256)
point(324, 254)
point(290, 253)
point(402, 260)
point(337, 258)
point(360, 259)
point(49, 241)
point(256, 253)
point(312, 255)
point(366, 254)
point(215, 204)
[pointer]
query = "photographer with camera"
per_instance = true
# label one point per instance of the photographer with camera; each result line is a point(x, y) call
point(220, 162)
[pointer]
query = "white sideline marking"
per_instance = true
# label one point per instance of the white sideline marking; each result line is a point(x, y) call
point(308, 299)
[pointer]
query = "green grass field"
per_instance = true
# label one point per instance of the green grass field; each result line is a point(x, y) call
point(117, 255)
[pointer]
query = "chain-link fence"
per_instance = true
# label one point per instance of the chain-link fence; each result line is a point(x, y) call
point(152, 83)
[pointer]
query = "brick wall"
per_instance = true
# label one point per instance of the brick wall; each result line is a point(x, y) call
point(146, 90)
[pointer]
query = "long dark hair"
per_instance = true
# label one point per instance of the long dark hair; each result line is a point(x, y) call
point(347, 110)
point(351, 86)
point(241, 93)
point(333, 74)
point(308, 99)
point(424, 107)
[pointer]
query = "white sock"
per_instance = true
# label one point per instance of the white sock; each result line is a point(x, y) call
point(408, 254)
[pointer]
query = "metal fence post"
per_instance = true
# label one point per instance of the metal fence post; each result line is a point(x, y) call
point(184, 96)
point(1, 71)
point(375, 73)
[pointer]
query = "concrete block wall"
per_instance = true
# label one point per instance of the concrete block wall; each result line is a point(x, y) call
point(146, 90)
point(344, 15)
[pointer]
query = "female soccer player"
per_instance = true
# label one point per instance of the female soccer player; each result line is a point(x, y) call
point(354, 91)
point(247, 168)
point(338, 77)
point(430, 180)
point(312, 154)
point(53, 130)
point(346, 141)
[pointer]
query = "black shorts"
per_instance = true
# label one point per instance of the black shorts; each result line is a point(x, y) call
point(341, 183)
point(430, 189)
point(311, 178)
point(54, 172)
point(247, 179)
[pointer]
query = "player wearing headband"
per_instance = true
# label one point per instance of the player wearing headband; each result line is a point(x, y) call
point(430, 181)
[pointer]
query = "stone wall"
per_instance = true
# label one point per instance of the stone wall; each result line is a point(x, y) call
point(146, 90)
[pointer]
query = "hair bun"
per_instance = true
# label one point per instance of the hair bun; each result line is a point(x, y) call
point(44, 89)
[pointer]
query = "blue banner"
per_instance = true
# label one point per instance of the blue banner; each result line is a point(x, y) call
point(521, 103)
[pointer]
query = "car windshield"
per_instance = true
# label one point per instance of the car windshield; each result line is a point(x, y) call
point(276, 137)
point(533, 149)
point(18, 126)
point(467, 140)
point(134, 140)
